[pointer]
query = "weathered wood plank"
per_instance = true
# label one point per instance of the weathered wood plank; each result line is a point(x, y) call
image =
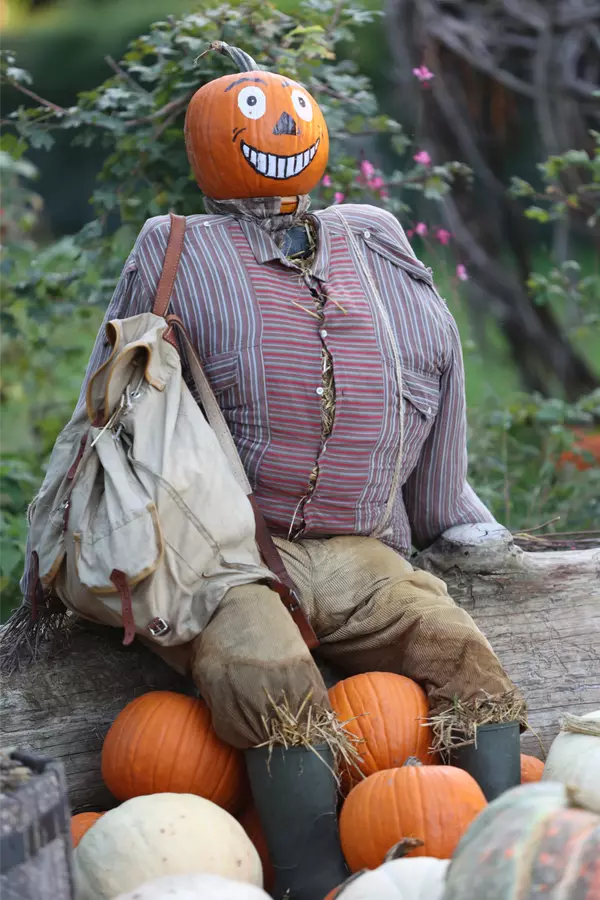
point(540, 612)
point(64, 707)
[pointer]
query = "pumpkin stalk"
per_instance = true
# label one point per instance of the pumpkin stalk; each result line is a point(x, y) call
point(243, 60)
point(403, 847)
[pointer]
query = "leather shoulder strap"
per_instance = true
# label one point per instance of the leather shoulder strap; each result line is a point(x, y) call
point(283, 584)
point(170, 266)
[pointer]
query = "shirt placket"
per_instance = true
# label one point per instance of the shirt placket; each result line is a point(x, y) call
point(326, 392)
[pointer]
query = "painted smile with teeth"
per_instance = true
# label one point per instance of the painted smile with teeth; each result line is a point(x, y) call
point(272, 166)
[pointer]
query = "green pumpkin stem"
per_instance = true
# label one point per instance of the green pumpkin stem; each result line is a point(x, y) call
point(413, 761)
point(243, 61)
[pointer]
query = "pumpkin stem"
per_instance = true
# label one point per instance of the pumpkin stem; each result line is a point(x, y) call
point(243, 61)
point(402, 848)
point(413, 761)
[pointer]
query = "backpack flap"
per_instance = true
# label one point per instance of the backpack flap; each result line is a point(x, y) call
point(117, 522)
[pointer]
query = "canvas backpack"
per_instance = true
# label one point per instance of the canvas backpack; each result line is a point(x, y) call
point(145, 518)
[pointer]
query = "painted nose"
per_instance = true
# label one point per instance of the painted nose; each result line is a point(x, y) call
point(285, 125)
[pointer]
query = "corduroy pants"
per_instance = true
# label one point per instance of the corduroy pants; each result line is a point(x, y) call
point(371, 610)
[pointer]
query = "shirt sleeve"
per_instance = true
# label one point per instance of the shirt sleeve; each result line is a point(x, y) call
point(437, 494)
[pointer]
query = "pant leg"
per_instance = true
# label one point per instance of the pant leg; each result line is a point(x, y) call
point(250, 655)
point(373, 612)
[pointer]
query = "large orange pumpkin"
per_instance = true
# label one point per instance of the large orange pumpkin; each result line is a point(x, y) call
point(255, 134)
point(387, 713)
point(251, 824)
point(81, 823)
point(164, 742)
point(435, 804)
point(531, 769)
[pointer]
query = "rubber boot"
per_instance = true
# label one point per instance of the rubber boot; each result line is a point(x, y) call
point(296, 799)
point(495, 760)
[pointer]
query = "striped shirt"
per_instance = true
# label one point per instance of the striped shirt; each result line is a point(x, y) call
point(250, 312)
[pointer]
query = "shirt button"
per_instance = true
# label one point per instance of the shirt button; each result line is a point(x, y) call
point(320, 391)
point(324, 332)
point(428, 410)
point(367, 234)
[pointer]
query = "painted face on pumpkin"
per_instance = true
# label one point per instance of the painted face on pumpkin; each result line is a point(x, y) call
point(255, 134)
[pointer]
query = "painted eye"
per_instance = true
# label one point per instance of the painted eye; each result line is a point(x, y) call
point(252, 102)
point(302, 105)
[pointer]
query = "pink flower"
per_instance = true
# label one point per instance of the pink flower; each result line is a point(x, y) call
point(376, 183)
point(422, 158)
point(461, 272)
point(443, 236)
point(410, 232)
point(326, 181)
point(384, 194)
point(423, 74)
point(367, 169)
point(421, 229)
point(338, 197)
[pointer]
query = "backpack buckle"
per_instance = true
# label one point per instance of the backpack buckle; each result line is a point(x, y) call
point(157, 627)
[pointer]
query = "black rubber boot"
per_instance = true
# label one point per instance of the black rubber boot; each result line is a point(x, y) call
point(495, 763)
point(296, 798)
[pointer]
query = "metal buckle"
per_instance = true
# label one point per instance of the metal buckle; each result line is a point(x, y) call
point(157, 627)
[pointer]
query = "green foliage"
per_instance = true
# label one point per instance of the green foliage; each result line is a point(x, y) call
point(514, 462)
point(138, 114)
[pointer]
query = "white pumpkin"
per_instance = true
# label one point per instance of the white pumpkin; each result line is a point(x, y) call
point(574, 759)
point(162, 834)
point(416, 878)
point(194, 887)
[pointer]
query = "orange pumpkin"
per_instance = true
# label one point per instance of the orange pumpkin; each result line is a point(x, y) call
point(164, 742)
point(531, 769)
point(80, 823)
point(255, 134)
point(387, 713)
point(251, 824)
point(435, 804)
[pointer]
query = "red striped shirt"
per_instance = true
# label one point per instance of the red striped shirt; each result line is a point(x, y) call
point(248, 310)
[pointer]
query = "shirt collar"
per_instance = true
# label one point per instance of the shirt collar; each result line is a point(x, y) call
point(265, 249)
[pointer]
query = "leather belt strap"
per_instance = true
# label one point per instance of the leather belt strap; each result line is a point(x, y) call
point(119, 579)
point(170, 266)
point(283, 585)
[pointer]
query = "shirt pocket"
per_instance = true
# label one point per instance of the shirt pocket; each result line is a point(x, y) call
point(222, 371)
point(421, 399)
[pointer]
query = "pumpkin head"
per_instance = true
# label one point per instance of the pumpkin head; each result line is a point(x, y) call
point(531, 768)
point(387, 713)
point(255, 134)
point(81, 823)
point(164, 742)
point(432, 804)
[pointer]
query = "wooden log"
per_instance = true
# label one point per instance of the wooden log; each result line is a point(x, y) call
point(62, 707)
point(540, 611)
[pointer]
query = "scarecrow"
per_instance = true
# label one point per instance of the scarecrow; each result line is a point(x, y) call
point(338, 369)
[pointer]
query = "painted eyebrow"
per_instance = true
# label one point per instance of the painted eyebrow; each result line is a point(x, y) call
point(242, 80)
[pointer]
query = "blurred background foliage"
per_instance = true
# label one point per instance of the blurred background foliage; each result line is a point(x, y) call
point(93, 97)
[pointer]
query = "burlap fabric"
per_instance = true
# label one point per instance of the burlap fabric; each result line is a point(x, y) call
point(371, 611)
